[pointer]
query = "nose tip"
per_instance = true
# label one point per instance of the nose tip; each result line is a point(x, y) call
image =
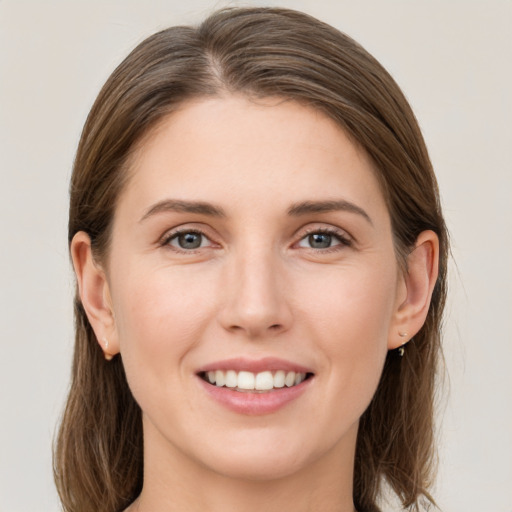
point(256, 304)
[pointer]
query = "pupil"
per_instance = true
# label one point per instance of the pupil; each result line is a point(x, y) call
point(189, 240)
point(320, 240)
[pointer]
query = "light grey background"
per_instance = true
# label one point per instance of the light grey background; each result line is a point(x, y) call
point(453, 60)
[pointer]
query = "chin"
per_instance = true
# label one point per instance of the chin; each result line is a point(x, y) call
point(261, 466)
point(264, 455)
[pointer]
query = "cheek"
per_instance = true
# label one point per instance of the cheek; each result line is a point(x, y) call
point(159, 319)
point(352, 305)
point(349, 318)
point(163, 302)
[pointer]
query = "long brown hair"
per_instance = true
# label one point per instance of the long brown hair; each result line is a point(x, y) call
point(98, 460)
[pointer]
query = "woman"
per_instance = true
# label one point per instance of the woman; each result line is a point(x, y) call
point(261, 265)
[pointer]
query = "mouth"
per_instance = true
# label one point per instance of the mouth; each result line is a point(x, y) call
point(249, 382)
point(255, 387)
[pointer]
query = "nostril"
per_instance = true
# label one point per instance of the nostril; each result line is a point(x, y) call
point(273, 327)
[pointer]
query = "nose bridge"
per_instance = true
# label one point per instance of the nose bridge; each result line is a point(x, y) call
point(256, 299)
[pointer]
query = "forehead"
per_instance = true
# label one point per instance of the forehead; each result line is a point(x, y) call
point(240, 150)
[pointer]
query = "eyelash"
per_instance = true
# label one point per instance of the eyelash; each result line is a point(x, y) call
point(341, 236)
point(167, 238)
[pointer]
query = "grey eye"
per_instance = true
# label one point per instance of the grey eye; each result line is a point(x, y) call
point(188, 240)
point(320, 240)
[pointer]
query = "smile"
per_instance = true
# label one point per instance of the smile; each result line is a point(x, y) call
point(255, 387)
point(245, 381)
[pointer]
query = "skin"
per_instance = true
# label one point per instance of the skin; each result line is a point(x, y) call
point(255, 288)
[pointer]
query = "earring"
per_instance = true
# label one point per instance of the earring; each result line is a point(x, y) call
point(108, 356)
point(401, 349)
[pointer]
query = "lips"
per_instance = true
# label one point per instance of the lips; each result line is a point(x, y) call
point(255, 365)
point(254, 386)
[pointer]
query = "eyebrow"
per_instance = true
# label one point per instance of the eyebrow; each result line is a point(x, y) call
point(176, 205)
point(307, 207)
point(296, 210)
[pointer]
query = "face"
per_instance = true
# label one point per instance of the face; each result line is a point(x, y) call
point(252, 248)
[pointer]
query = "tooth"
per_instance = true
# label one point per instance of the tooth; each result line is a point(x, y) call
point(264, 381)
point(289, 379)
point(231, 380)
point(246, 380)
point(279, 379)
point(219, 378)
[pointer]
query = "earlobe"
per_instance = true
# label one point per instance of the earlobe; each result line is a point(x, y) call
point(95, 294)
point(419, 280)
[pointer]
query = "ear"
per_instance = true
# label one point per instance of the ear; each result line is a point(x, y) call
point(95, 294)
point(415, 289)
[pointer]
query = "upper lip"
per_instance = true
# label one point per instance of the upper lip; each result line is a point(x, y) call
point(255, 365)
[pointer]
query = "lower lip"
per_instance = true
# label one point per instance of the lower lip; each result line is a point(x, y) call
point(254, 404)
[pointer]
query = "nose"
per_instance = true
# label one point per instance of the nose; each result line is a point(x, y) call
point(255, 294)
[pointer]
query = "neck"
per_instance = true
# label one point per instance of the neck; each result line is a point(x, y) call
point(175, 482)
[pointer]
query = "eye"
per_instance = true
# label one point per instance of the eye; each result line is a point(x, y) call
point(188, 240)
point(323, 240)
